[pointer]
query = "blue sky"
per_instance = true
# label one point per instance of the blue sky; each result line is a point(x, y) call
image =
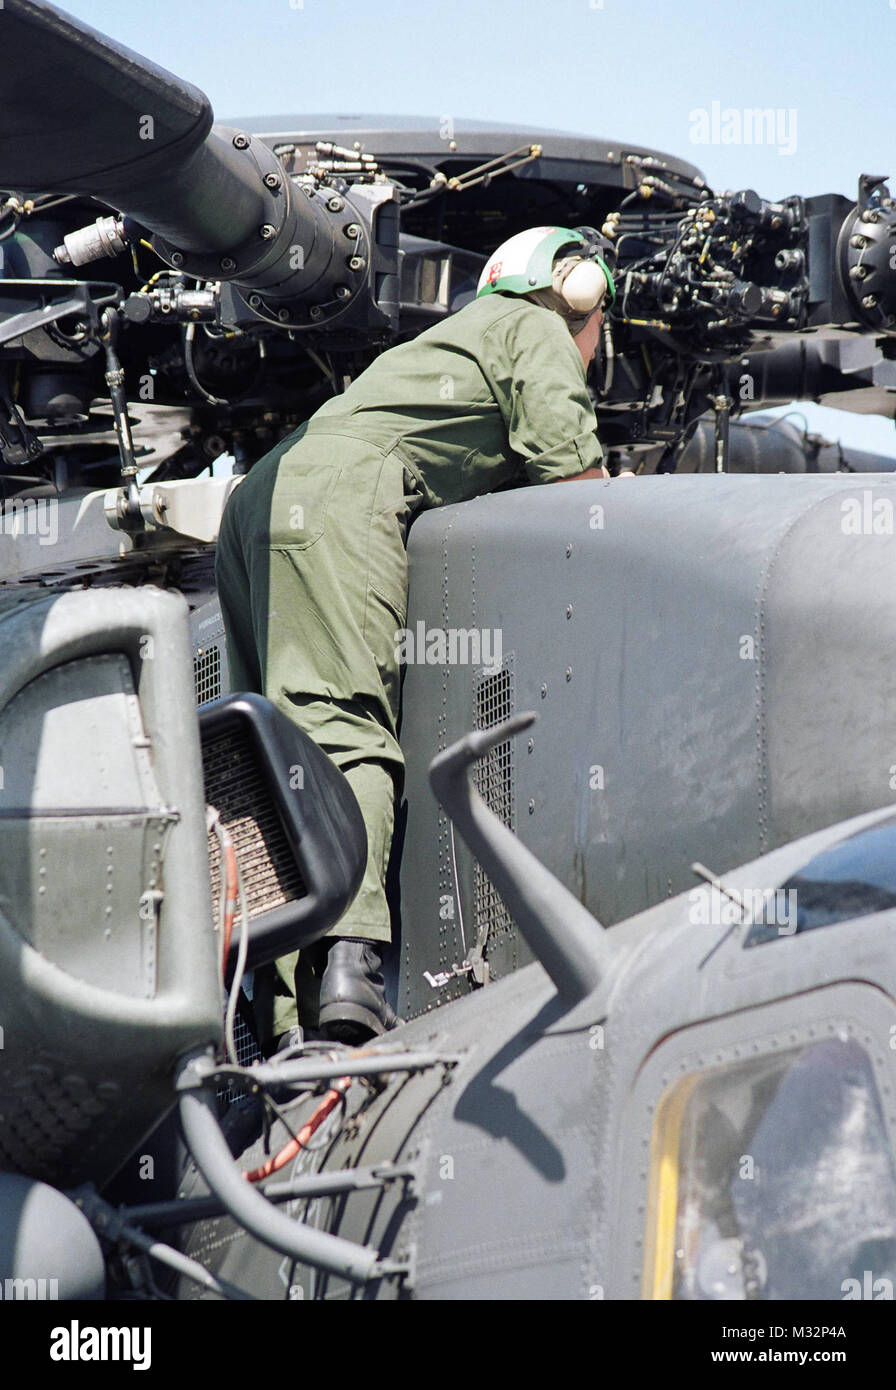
point(637, 70)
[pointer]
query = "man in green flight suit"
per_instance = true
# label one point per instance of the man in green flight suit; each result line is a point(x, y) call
point(311, 563)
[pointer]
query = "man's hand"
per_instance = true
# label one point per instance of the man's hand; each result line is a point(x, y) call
point(599, 471)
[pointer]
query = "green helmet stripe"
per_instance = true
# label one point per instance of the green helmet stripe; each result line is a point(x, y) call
point(540, 271)
point(611, 283)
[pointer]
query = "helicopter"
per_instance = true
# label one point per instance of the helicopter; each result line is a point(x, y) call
point(643, 888)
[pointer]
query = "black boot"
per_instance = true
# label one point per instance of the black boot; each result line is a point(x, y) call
point(353, 1003)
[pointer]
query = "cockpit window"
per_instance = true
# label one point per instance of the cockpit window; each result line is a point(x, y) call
point(852, 879)
point(773, 1179)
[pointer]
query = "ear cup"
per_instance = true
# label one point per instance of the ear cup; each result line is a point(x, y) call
point(583, 287)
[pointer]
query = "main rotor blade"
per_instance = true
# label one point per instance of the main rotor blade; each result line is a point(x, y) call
point(79, 112)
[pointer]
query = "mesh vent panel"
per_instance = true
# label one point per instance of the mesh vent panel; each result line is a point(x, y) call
point(207, 674)
point(235, 786)
point(493, 779)
point(247, 1052)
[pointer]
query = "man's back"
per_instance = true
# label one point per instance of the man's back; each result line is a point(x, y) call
point(496, 386)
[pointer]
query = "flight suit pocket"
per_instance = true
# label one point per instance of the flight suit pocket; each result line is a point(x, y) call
point(301, 504)
point(388, 563)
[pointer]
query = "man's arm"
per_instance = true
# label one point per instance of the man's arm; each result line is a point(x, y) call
point(536, 374)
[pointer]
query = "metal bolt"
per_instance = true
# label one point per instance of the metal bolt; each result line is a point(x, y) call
point(177, 257)
point(569, 610)
point(267, 231)
point(530, 745)
point(544, 691)
point(355, 262)
point(568, 551)
point(569, 673)
point(240, 141)
point(335, 204)
point(353, 231)
point(858, 241)
point(283, 315)
point(271, 180)
point(870, 301)
point(228, 263)
point(316, 311)
point(342, 291)
point(531, 808)
point(254, 301)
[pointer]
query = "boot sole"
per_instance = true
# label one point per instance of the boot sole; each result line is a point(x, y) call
point(350, 1023)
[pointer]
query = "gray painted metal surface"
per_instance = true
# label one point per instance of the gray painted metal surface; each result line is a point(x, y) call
point(107, 947)
point(534, 1157)
point(531, 1159)
point(47, 1248)
point(710, 661)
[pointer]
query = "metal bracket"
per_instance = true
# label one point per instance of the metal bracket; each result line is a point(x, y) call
point(444, 977)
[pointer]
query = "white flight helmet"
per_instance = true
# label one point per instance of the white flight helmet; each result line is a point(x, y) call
point(527, 263)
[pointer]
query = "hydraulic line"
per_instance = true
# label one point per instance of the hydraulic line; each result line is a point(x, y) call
point(209, 1149)
point(327, 1106)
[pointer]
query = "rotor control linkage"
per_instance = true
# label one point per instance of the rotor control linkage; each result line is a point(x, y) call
point(129, 501)
point(722, 407)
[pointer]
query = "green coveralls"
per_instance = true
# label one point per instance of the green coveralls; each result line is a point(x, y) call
point(311, 562)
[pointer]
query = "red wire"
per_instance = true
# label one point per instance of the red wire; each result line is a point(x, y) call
point(231, 889)
point(327, 1105)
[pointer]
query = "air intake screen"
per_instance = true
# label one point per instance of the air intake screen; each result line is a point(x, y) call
point(235, 786)
point(493, 778)
point(207, 674)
